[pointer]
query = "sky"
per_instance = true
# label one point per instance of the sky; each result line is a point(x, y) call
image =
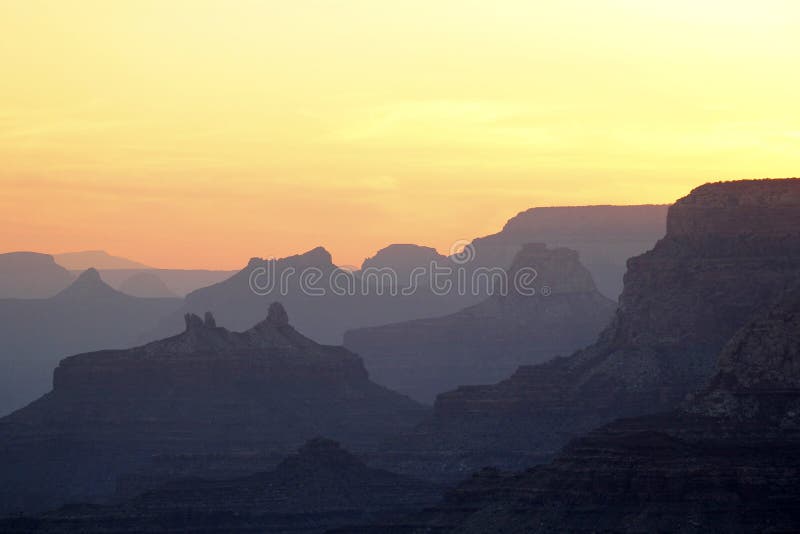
point(200, 133)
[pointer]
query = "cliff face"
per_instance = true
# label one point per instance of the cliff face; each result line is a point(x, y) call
point(727, 461)
point(730, 250)
point(759, 370)
point(485, 342)
point(604, 237)
point(207, 390)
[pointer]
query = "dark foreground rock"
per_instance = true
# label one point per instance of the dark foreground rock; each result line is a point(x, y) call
point(320, 487)
point(205, 391)
point(731, 248)
point(727, 461)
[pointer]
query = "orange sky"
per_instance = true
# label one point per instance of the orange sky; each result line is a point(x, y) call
point(200, 133)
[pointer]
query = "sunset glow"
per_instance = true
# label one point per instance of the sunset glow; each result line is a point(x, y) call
point(200, 133)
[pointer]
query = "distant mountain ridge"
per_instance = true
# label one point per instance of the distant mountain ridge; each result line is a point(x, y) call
point(485, 342)
point(682, 302)
point(98, 259)
point(86, 315)
point(178, 281)
point(325, 304)
point(31, 275)
point(403, 259)
point(206, 390)
point(605, 237)
point(630, 230)
point(146, 285)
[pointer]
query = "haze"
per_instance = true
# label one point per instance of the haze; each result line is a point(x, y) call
point(200, 133)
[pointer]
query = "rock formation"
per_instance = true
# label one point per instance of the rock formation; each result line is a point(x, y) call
point(731, 248)
point(488, 341)
point(88, 315)
point(322, 486)
point(325, 300)
point(29, 275)
point(403, 259)
point(726, 461)
point(604, 237)
point(207, 390)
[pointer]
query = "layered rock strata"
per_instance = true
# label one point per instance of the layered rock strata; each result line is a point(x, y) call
point(207, 390)
point(731, 248)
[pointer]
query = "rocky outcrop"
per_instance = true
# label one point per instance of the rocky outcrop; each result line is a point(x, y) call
point(320, 487)
point(87, 315)
point(604, 237)
point(207, 390)
point(727, 461)
point(88, 285)
point(731, 249)
point(403, 259)
point(342, 299)
point(29, 275)
point(325, 300)
point(759, 370)
point(557, 311)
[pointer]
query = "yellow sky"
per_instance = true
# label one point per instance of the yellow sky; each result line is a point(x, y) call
point(200, 133)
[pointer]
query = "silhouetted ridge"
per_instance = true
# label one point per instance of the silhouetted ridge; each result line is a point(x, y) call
point(319, 256)
point(403, 259)
point(144, 284)
point(319, 487)
point(604, 236)
point(731, 250)
point(89, 278)
point(194, 322)
point(277, 314)
point(750, 208)
point(31, 275)
point(89, 285)
point(545, 305)
point(726, 462)
point(100, 259)
point(207, 390)
point(87, 315)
